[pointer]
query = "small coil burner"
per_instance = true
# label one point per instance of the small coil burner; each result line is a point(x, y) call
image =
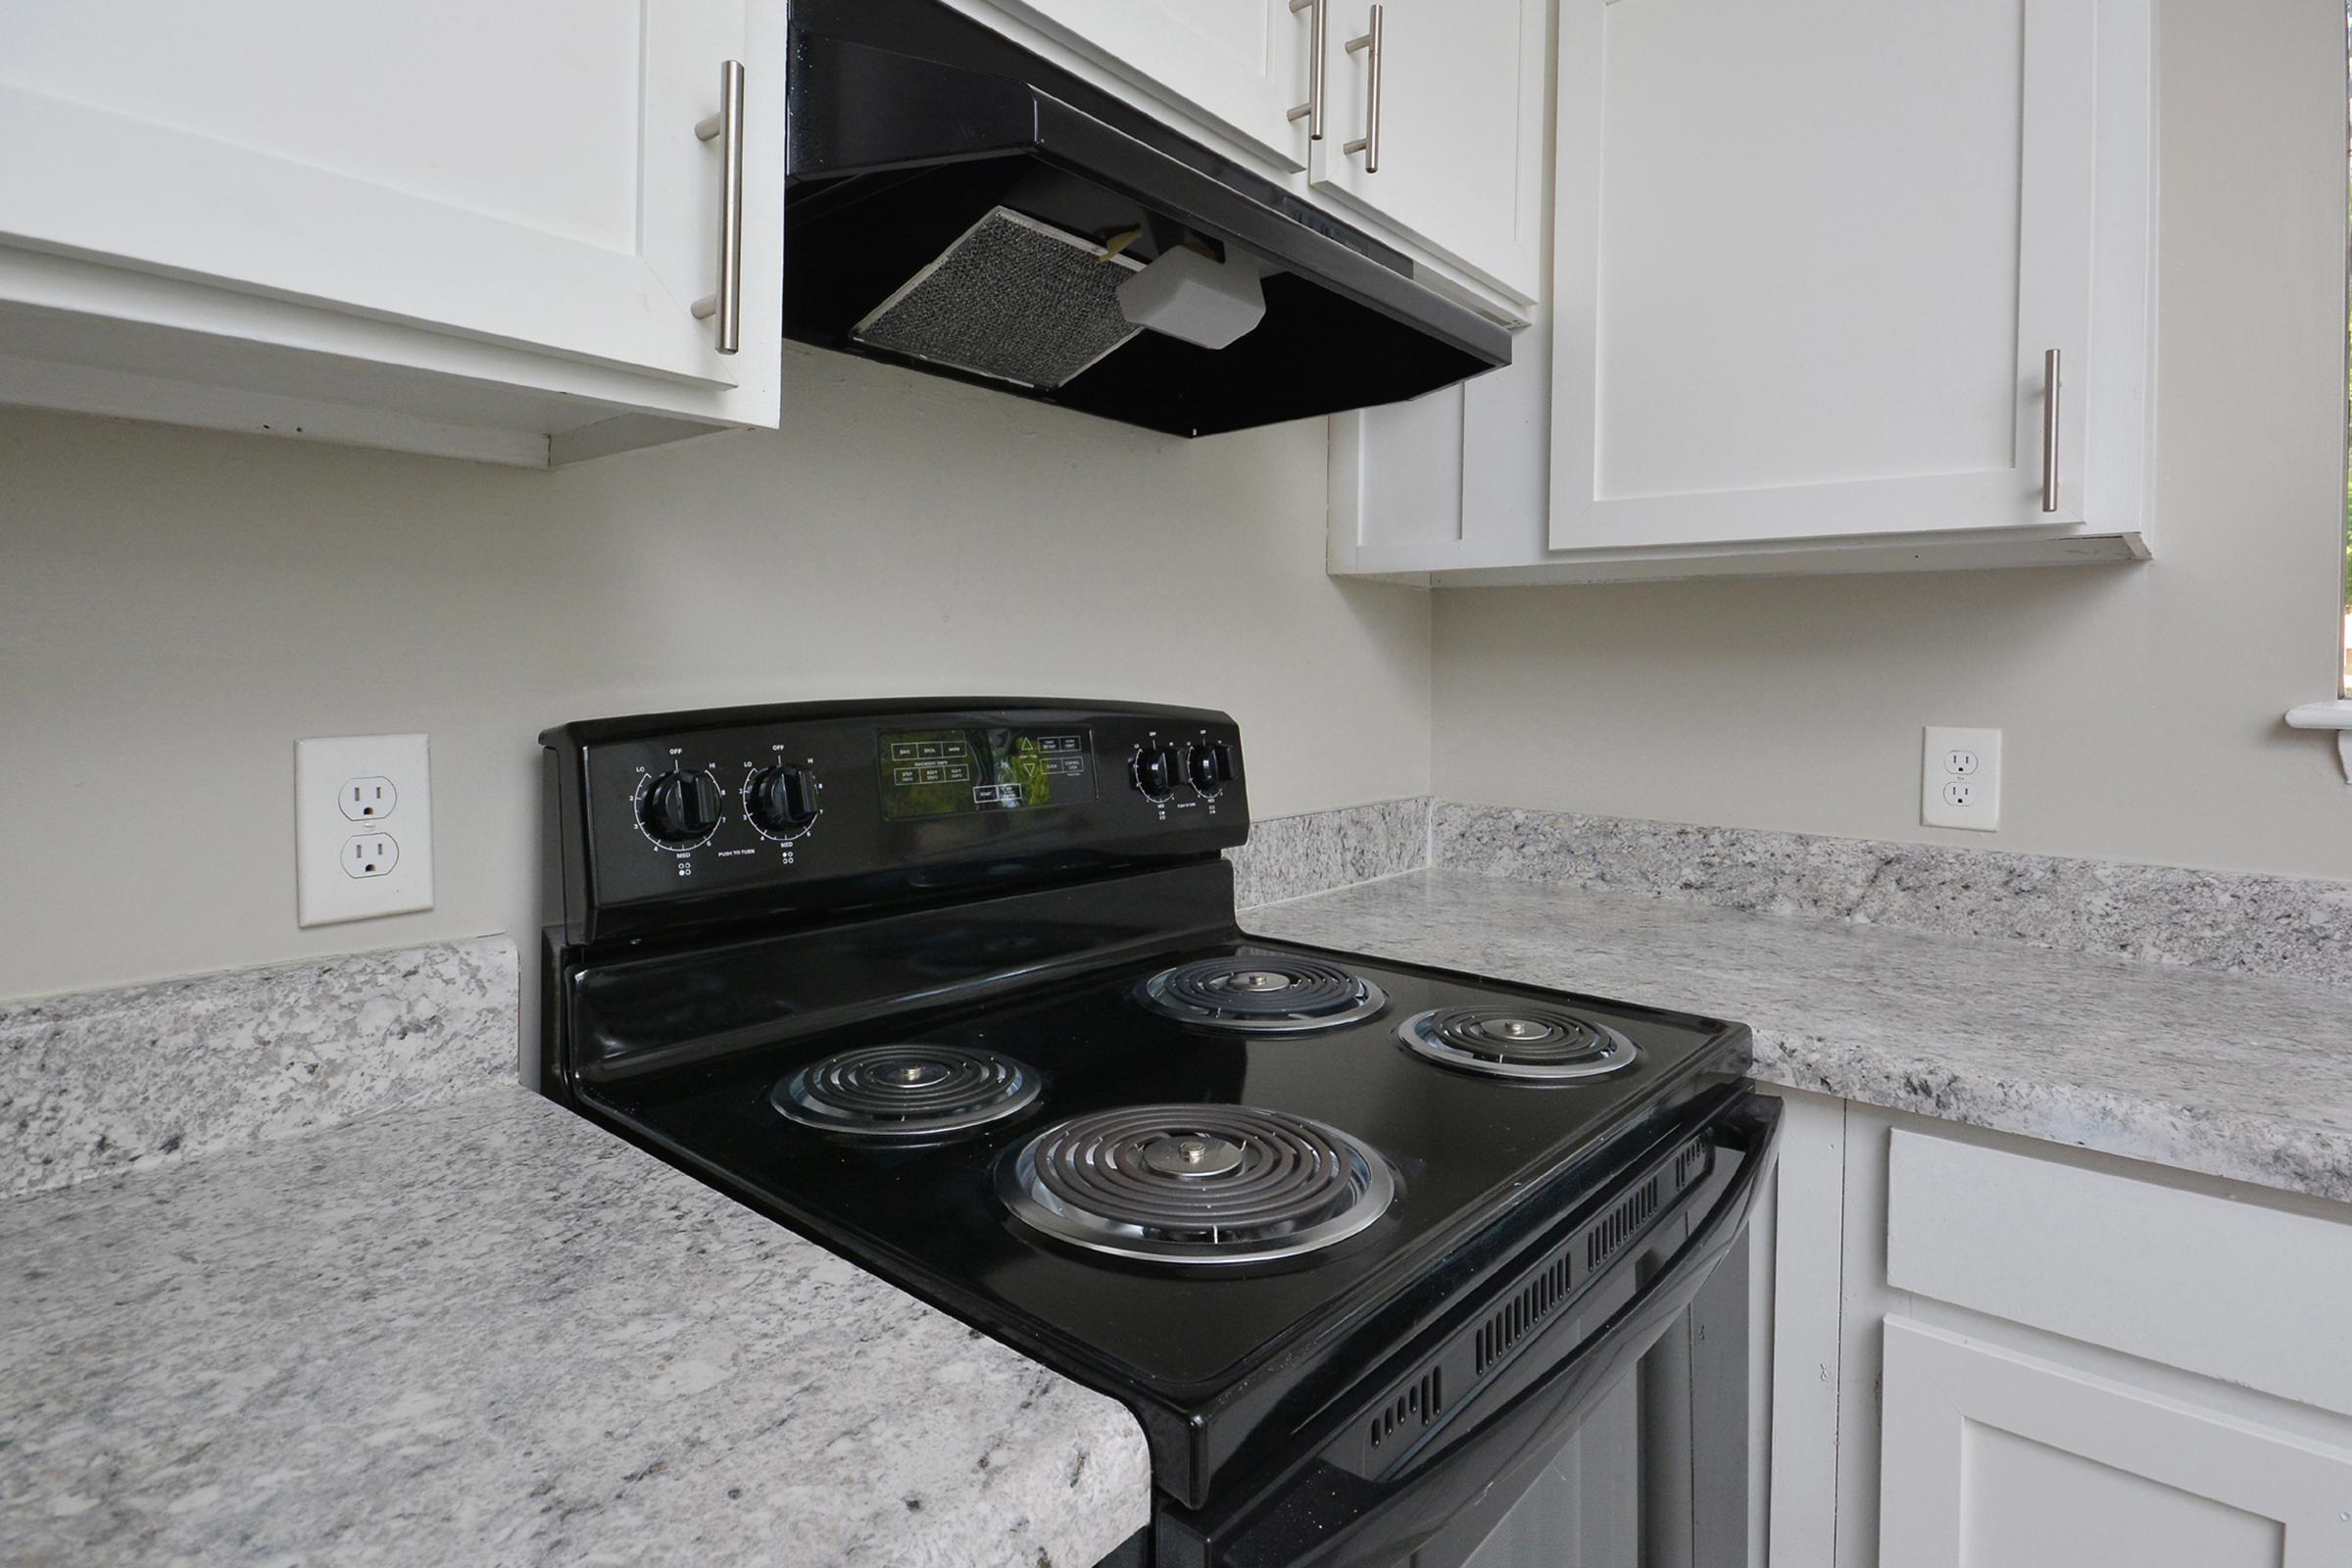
point(906, 1093)
point(1533, 1044)
point(1196, 1184)
point(1267, 992)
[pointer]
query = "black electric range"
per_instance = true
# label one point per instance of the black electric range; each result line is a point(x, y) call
point(956, 989)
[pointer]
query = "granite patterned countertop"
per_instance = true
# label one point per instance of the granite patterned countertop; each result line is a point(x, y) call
point(489, 1332)
point(2241, 1076)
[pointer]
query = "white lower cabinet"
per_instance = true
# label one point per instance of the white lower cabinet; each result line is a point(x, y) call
point(1834, 285)
point(475, 230)
point(1993, 1459)
point(1995, 1353)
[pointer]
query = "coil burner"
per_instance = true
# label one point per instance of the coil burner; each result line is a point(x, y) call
point(1196, 1184)
point(1262, 993)
point(906, 1093)
point(1532, 1044)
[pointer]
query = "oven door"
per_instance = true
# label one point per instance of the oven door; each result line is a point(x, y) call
point(1624, 1437)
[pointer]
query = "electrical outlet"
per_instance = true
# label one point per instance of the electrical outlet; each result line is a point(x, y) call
point(1960, 778)
point(383, 783)
point(370, 854)
point(366, 800)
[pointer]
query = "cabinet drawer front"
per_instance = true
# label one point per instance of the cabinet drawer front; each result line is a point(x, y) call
point(2233, 1291)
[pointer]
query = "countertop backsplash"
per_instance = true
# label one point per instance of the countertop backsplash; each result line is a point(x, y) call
point(1292, 857)
point(2237, 922)
point(2286, 927)
point(98, 1082)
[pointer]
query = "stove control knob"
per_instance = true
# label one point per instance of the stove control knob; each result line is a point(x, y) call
point(781, 801)
point(679, 811)
point(1210, 766)
point(1156, 771)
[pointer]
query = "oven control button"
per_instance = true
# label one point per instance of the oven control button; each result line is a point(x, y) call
point(1154, 769)
point(678, 811)
point(781, 801)
point(1210, 766)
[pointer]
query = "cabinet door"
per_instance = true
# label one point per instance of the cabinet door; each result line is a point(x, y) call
point(1460, 110)
point(524, 173)
point(1809, 258)
point(1995, 1460)
point(1240, 64)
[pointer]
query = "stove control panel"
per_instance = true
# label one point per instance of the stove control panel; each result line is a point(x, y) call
point(978, 769)
point(678, 819)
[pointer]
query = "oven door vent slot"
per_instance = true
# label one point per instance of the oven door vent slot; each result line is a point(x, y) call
point(1623, 1222)
point(1519, 1316)
point(1415, 1406)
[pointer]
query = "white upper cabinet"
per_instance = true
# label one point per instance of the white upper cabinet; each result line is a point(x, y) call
point(1812, 265)
point(1812, 259)
point(512, 195)
point(1433, 127)
point(1459, 182)
point(1239, 64)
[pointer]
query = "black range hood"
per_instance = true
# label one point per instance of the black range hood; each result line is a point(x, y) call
point(956, 205)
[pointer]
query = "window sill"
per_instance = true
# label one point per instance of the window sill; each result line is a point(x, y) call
point(2336, 715)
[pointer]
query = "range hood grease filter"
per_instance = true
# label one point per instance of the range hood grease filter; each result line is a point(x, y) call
point(1013, 299)
point(934, 160)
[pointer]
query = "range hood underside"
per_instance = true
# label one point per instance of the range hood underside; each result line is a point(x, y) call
point(894, 157)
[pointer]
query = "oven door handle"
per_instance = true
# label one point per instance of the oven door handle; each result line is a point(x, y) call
point(1330, 1518)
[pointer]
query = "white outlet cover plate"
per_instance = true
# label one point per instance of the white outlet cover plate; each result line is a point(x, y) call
point(1983, 810)
point(324, 894)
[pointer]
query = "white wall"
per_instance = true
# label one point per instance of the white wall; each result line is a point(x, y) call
point(2140, 705)
point(176, 607)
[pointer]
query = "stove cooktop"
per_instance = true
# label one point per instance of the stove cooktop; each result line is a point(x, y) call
point(1454, 1147)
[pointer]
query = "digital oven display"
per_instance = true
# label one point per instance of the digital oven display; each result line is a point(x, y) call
point(957, 772)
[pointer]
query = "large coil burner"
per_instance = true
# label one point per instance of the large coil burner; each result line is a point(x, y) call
point(1270, 993)
point(1196, 1184)
point(1533, 1044)
point(910, 1093)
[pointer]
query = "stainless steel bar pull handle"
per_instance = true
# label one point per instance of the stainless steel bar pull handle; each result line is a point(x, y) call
point(727, 126)
point(1318, 41)
point(1369, 143)
point(2049, 431)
